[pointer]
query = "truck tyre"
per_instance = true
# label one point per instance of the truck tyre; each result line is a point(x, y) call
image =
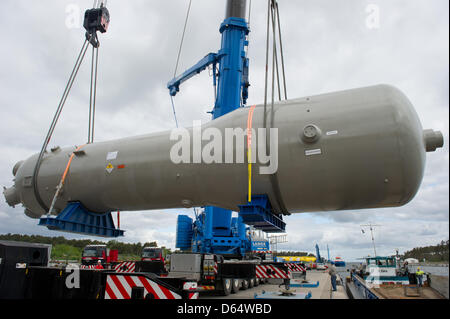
point(244, 285)
point(226, 286)
point(256, 281)
point(235, 285)
point(251, 282)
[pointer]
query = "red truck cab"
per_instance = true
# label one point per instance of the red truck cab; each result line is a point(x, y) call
point(93, 253)
point(152, 254)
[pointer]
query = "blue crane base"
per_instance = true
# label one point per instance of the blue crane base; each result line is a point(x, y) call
point(258, 213)
point(75, 218)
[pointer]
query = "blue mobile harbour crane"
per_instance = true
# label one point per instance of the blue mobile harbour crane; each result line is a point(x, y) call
point(319, 258)
point(232, 246)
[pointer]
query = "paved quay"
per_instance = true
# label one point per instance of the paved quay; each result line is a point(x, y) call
point(323, 291)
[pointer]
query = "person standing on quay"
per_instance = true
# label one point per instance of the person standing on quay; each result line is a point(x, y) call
point(332, 272)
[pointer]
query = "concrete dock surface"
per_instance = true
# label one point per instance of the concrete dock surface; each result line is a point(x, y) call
point(323, 291)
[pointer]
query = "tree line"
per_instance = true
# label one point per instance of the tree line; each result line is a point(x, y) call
point(132, 249)
point(439, 252)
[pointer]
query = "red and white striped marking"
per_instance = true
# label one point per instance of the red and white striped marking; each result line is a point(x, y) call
point(87, 267)
point(120, 286)
point(262, 251)
point(215, 268)
point(295, 267)
point(270, 271)
point(126, 266)
point(190, 286)
point(193, 295)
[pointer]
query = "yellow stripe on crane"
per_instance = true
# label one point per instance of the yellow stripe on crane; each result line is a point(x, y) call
point(249, 150)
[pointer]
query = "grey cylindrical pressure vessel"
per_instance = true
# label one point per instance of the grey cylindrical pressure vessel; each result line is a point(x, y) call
point(354, 149)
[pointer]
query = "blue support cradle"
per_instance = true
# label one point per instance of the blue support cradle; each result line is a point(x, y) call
point(258, 213)
point(75, 218)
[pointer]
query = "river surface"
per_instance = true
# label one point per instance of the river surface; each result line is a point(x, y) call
point(438, 270)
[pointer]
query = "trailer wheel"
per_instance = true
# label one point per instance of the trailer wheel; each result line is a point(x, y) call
point(251, 282)
point(235, 285)
point(244, 284)
point(149, 296)
point(226, 286)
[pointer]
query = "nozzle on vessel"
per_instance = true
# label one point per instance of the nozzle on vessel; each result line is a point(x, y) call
point(433, 140)
point(11, 196)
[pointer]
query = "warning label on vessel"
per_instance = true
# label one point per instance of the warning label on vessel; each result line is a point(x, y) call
point(111, 155)
point(109, 168)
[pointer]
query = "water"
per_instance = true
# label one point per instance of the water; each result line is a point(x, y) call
point(345, 271)
point(438, 270)
point(434, 270)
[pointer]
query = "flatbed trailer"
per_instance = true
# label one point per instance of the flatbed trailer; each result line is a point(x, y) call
point(61, 283)
point(55, 283)
point(23, 276)
point(131, 266)
point(214, 273)
point(206, 273)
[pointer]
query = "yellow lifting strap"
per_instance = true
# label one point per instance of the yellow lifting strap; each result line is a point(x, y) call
point(249, 150)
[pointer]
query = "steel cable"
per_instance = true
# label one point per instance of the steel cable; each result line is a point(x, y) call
point(182, 39)
point(93, 94)
point(90, 95)
point(267, 64)
point(281, 50)
point(275, 51)
point(273, 177)
point(55, 120)
point(178, 59)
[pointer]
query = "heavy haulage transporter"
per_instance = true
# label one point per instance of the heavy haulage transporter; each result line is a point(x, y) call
point(353, 149)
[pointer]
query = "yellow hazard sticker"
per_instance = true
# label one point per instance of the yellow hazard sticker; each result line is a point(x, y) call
point(109, 168)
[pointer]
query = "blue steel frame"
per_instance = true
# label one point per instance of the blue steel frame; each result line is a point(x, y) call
point(258, 213)
point(75, 218)
point(233, 68)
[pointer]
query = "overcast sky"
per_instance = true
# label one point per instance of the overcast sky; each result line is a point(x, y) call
point(329, 46)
